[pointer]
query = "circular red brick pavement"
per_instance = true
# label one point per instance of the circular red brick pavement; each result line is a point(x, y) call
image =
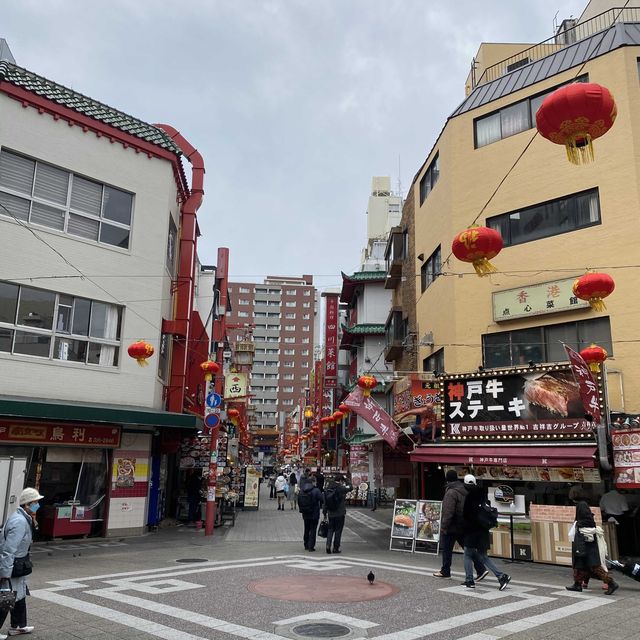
point(322, 589)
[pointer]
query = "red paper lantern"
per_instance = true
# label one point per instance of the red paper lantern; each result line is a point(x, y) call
point(338, 415)
point(576, 114)
point(594, 356)
point(210, 368)
point(593, 287)
point(478, 245)
point(344, 408)
point(367, 383)
point(234, 416)
point(141, 350)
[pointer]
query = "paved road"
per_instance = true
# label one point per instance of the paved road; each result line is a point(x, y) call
point(257, 582)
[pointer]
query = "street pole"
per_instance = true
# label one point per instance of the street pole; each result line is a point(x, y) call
point(210, 516)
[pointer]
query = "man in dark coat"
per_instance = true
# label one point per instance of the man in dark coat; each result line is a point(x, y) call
point(476, 536)
point(320, 480)
point(335, 508)
point(452, 524)
point(309, 502)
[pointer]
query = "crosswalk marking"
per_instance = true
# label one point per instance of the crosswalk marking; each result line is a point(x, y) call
point(368, 521)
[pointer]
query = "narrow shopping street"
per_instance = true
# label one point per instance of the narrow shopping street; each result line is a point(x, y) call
point(254, 580)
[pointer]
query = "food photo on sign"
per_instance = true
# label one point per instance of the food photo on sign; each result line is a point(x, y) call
point(404, 519)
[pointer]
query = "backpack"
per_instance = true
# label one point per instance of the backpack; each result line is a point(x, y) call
point(305, 502)
point(487, 516)
point(331, 499)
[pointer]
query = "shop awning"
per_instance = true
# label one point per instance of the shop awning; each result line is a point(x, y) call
point(524, 456)
point(64, 410)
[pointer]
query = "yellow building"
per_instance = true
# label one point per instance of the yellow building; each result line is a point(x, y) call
point(490, 167)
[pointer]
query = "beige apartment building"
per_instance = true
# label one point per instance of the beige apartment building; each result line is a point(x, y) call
point(489, 167)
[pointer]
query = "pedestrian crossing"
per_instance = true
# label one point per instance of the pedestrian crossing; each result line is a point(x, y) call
point(367, 521)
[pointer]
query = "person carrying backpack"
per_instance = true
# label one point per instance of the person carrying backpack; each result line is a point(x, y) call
point(335, 509)
point(478, 519)
point(309, 502)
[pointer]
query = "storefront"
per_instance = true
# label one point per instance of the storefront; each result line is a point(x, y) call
point(92, 463)
point(523, 433)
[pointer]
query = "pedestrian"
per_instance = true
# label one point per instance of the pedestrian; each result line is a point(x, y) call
point(280, 485)
point(452, 526)
point(476, 535)
point(588, 549)
point(335, 509)
point(272, 486)
point(320, 479)
point(15, 563)
point(309, 502)
point(293, 491)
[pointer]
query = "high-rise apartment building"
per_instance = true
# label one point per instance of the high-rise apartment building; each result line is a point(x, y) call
point(282, 314)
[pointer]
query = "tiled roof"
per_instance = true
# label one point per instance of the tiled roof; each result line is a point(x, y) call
point(365, 329)
point(365, 276)
point(87, 106)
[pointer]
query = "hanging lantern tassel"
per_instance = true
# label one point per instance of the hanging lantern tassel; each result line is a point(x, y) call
point(594, 287)
point(478, 245)
point(594, 356)
point(141, 350)
point(367, 383)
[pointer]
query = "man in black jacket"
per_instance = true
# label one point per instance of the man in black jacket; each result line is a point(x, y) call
point(336, 509)
point(452, 526)
point(309, 503)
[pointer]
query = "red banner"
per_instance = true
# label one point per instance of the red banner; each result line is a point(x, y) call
point(331, 342)
point(588, 386)
point(317, 398)
point(69, 435)
point(375, 415)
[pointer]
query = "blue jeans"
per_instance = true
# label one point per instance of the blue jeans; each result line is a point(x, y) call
point(473, 555)
point(447, 541)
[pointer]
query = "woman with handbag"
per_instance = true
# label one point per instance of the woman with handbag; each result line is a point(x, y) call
point(15, 563)
point(588, 548)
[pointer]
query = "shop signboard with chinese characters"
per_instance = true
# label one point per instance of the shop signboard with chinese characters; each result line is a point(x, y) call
point(536, 300)
point(537, 402)
point(331, 341)
point(359, 465)
point(626, 458)
point(235, 385)
point(413, 393)
point(67, 435)
point(251, 488)
point(372, 413)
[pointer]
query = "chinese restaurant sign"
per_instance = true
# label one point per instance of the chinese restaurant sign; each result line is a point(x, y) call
point(68, 435)
point(235, 385)
point(530, 474)
point(540, 402)
point(535, 300)
point(626, 458)
point(331, 342)
point(375, 415)
point(413, 394)
point(588, 387)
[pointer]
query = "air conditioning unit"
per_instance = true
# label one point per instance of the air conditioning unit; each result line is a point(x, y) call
point(427, 340)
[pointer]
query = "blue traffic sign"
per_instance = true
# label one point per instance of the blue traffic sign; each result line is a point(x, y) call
point(214, 400)
point(212, 420)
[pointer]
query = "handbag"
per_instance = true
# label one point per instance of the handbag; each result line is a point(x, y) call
point(22, 567)
point(572, 531)
point(7, 597)
point(323, 529)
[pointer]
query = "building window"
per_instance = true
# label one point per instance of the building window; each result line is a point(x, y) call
point(43, 195)
point(304, 352)
point(305, 340)
point(551, 218)
point(288, 402)
point(306, 305)
point(306, 292)
point(287, 376)
point(290, 316)
point(289, 352)
point(291, 292)
point(243, 301)
point(429, 179)
point(172, 240)
point(289, 327)
point(306, 328)
point(287, 389)
point(273, 314)
point(260, 290)
point(288, 364)
point(431, 269)
point(544, 344)
point(290, 304)
point(306, 316)
point(243, 290)
point(290, 340)
point(259, 314)
point(435, 362)
point(45, 324)
point(512, 119)
point(243, 314)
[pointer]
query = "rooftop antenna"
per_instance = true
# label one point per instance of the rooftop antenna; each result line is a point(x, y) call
point(555, 23)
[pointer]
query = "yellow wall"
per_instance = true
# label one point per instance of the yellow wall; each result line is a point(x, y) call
point(458, 309)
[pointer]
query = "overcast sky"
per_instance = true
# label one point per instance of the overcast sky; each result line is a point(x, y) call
point(294, 104)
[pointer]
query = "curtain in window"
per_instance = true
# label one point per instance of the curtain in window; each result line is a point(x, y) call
point(52, 184)
point(515, 119)
point(488, 130)
point(47, 216)
point(107, 353)
point(86, 196)
point(17, 207)
point(83, 227)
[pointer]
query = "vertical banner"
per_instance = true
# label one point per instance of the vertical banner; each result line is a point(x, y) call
point(588, 386)
point(331, 341)
point(317, 399)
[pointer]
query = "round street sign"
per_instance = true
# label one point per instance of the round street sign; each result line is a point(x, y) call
point(212, 420)
point(214, 400)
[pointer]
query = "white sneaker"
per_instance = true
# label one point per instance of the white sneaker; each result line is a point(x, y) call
point(3, 637)
point(20, 631)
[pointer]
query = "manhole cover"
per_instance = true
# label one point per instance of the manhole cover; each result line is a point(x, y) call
point(321, 630)
point(186, 560)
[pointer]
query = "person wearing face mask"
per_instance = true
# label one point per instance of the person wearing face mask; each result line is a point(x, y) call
point(15, 563)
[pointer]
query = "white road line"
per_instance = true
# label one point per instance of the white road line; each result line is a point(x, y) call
point(535, 621)
point(430, 628)
point(329, 615)
point(368, 521)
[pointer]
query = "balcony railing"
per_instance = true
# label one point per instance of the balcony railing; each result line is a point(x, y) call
point(561, 40)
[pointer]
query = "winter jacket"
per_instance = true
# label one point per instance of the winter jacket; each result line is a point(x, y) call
point(341, 491)
point(455, 495)
point(475, 536)
point(281, 483)
point(316, 494)
point(15, 543)
point(293, 480)
point(590, 556)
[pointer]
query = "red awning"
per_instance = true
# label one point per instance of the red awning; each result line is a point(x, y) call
point(524, 456)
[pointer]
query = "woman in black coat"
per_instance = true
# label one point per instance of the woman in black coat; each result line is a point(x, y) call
point(585, 552)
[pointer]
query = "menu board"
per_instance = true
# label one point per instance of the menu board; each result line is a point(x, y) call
point(626, 458)
point(531, 474)
point(194, 452)
point(359, 468)
point(403, 525)
point(251, 488)
point(429, 513)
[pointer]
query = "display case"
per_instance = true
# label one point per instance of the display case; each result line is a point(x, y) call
point(60, 521)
